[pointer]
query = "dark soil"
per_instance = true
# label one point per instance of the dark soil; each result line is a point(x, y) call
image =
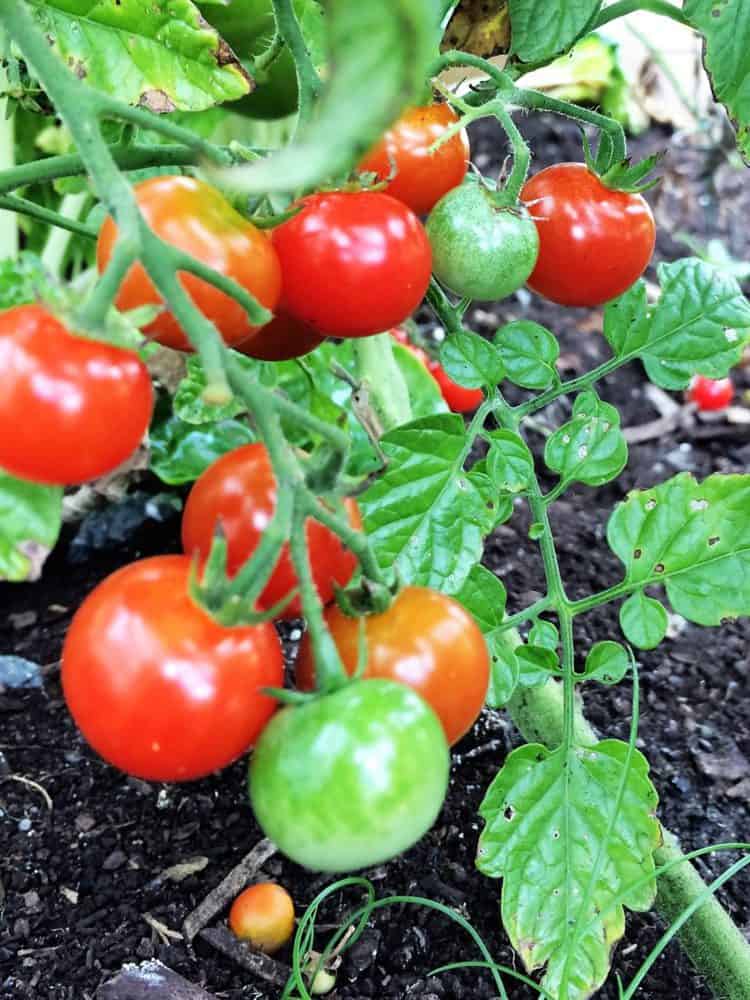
point(79, 877)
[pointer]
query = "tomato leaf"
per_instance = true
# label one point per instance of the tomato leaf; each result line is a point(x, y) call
point(547, 816)
point(30, 519)
point(510, 464)
point(470, 360)
point(692, 537)
point(424, 515)
point(541, 29)
point(180, 451)
point(529, 353)
point(726, 29)
point(163, 57)
point(24, 279)
point(699, 325)
point(643, 621)
point(499, 505)
point(589, 448)
point(188, 401)
point(607, 662)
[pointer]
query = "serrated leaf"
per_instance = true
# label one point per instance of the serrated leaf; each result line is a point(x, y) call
point(510, 464)
point(528, 352)
point(726, 29)
point(160, 56)
point(180, 452)
point(541, 29)
point(547, 815)
point(30, 519)
point(24, 279)
point(470, 360)
point(590, 448)
point(643, 621)
point(607, 662)
point(424, 515)
point(692, 537)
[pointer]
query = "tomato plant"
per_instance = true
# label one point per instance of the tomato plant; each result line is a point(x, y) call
point(280, 340)
point(459, 399)
point(264, 916)
point(711, 394)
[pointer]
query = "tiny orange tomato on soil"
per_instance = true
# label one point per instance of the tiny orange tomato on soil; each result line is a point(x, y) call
point(264, 916)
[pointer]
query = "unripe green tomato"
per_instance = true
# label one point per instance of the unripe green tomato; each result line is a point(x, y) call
point(352, 778)
point(479, 250)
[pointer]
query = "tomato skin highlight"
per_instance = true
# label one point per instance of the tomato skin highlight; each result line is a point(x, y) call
point(158, 688)
point(352, 778)
point(239, 492)
point(280, 340)
point(421, 178)
point(263, 915)
point(594, 243)
point(426, 641)
point(196, 218)
point(711, 394)
point(71, 408)
point(354, 263)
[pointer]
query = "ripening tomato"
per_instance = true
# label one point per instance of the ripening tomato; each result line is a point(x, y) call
point(264, 916)
point(351, 778)
point(280, 340)
point(354, 263)
point(711, 394)
point(460, 400)
point(425, 640)
point(594, 243)
point(421, 178)
point(155, 685)
point(196, 218)
point(71, 408)
point(238, 492)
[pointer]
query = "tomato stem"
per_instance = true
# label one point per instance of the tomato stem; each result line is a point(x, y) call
point(509, 194)
point(308, 82)
point(624, 7)
point(386, 386)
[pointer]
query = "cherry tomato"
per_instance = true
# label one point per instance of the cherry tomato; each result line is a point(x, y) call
point(401, 337)
point(71, 408)
point(195, 217)
point(460, 400)
point(280, 340)
point(421, 178)
point(354, 263)
point(239, 492)
point(711, 394)
point(264, 916)
point(593, 242)
point(352, 778)
point(479, 250)
point(155, 685)
point(424, 640)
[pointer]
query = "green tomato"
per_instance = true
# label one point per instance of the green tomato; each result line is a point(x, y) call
point(479, 250)
point(352, 778)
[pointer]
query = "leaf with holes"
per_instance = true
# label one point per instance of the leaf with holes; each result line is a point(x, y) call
point(529, 352)
point(424, 515)
point(30, 519)
point(471, 361)
point(510, 464)
point(692, 537)
point(547, 816)
point(163, 57)
point(643, 621)
point(589, 448)
point(541, 29)
point(607, 662)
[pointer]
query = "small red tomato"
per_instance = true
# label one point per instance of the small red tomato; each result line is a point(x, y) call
point(421, 178)
point(71, 408)
point(711, 394)
point(155, 685)
point(280, 340)
point(196, 218)
point(264, 916)
point(594, 243)
point(401, 337)
point(459, 399)
point(238, 492)
point(354, 263)
point(426, 641)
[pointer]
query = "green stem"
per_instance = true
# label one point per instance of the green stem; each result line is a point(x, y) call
point(448, 314)
point(542, 102)
point(8, 220)
point(262, 62)
point(308, 82)
point(14, 203)
point(380, 374)
point(625, 7)
point(521, 156)
point(528, 614)
point(573, 385)
point(58, 240)
point(93, 313)
point(457, 58)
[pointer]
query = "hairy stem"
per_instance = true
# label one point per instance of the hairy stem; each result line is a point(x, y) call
point(308, 82)
point(380, 374)
point(625, 7)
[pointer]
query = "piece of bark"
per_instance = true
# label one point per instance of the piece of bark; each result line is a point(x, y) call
point(150, 981)
point(248, 958)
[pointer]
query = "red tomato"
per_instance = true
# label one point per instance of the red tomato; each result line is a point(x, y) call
point(593, 242)
point(354, 263)
point(460, 400)
point(195, 217)
point(401, 337)
point(155, 685)
point(71, 408)
point(264, 916)
point(421, 178)
point(425, 640)
point(711, 394)
point(239, 492)
point(280, 340)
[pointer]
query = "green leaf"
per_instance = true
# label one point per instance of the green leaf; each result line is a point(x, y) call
point(23, 280)
point(544, 634)
point(698, 326)
point(424, 515)
point(529, 353)
point(643, 621)
point(726, 28)
point(484, 596)
point(188, 399)
point(510, 464)
point(30, 519)
point(180, 452)
point(543, 28)
point(471, 361)
point(589, 448)
point(160, 56)
point(607, 662)
point(692, 537)
point(499, 505)
point(547, 816)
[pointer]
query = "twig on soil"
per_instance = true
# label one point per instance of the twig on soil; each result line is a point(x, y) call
point(32, 784)
point(240, 952)
point(165, 934)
